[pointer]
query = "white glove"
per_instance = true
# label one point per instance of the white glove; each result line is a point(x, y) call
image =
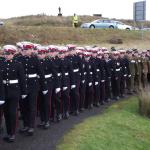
point(2, 102)
point(96, 83)
point(83, 81)
point(73, 86)
point(129, 75)
point(125, 75)
point(90, 84)
point(23, 96)
point(65, 88)
point(57, 90)
point(45, 92)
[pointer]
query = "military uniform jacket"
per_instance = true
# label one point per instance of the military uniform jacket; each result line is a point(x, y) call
point(66, 68)
point(57, 72)
point(108, 69)
point(124, 67)
point(89, 71)
point(48, 70)
point(115, 68)
point(34, 73)
point(75, 72)
point(96, 70)
point(13, 78)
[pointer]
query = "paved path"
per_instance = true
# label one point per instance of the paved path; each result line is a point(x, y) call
point(48, 139)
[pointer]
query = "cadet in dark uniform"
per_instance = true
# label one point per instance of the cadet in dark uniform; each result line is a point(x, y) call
point(101, 67)
point(65, 94)
point(96, 77)
point(74, 80)
point(89, 81)
point(116, 73)
point(124, 72)
point(83, 77)
point(14, 86)
point(44, 99)
point(35, 78)
point(108, 75)
point(56, 94)
point(1, 92)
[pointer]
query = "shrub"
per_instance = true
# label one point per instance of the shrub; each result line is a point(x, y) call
point(144, 102)
point(115, 40)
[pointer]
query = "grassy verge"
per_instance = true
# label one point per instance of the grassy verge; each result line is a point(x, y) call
point(65, 35)
point(119, 128)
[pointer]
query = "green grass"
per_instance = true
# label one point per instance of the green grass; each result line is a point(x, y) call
point(66, 35)
point(119, 128)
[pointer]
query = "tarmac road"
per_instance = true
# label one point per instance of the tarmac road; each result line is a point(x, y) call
point(48, 139)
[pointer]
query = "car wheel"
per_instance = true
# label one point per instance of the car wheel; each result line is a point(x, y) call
point(92, 26)
point(111, 27)
point(128, 29)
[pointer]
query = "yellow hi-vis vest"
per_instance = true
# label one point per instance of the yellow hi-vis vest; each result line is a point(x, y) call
point(75, 19)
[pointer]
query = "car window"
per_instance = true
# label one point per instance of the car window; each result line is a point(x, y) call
point(120, 23)
point(107, 21)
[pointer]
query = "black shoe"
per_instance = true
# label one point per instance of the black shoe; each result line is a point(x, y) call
point(66, 116)
point(82, 109)
point(102, 103)
point(59, 118)
point(30, 132)
point(23, 130)
point(46, 125)
point(117, 98)
point(41, 125)
point(9, 139)
point(76, 113)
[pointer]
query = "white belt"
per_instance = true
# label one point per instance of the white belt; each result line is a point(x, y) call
point(66, 74)
point(84, 73)
point(91, 72)
point(48, 76)
point(97, 70)
point(117, 69)
point(58, 74)
point(75, 70)
point(32, 75)
point(132, 61)
point(10, 81)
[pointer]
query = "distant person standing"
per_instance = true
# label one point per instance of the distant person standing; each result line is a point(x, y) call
point(75, 21)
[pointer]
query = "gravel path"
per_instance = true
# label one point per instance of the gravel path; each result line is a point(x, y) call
point(48, 139)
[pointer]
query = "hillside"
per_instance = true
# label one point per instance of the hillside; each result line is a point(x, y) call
point(58, 30)
point(65, 21)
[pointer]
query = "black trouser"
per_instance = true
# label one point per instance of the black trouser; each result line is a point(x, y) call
point(89, 96)
point(10, 114)
point(55, 104)
point(44, 106)
point(74, 97)
point(122, 85)
point(96, 94)
point(1, 115)
point(82, 95)
point(29, 108)
point(102, 92)
point(116, 87)
point(65, 100)
point(108, 89)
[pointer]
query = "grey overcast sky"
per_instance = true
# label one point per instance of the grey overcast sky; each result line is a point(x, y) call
point(120, 9)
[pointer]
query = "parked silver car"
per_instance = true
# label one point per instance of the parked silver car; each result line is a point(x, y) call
point(1, 23)
point(106, 23)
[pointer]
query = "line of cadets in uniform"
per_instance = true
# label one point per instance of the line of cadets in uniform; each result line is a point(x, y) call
point(60, 81)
